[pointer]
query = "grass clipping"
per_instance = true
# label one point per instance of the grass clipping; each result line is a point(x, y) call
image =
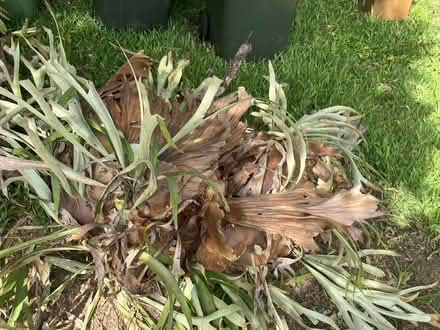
point(165, 187)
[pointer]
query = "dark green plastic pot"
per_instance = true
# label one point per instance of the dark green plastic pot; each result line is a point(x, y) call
point(231, 21)
point(139, 14)
point(20, 9)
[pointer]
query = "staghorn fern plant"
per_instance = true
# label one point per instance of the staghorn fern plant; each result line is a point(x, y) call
point(172, 196)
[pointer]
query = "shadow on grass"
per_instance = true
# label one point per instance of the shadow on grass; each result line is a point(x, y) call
point(418, 264)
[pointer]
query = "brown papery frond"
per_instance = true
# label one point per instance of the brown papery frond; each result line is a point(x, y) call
point(121, 97)
point(300, 214)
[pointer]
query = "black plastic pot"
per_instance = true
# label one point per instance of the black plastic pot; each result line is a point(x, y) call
point(20, 9)
point(139, 14)
point(228, 23)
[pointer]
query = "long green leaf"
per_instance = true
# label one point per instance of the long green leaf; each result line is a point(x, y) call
point(235, 318)
point(13, 164)
point(167, 314)
point(163, 72)
point(47, 157)
point(205, 296)
point(21, 296)
point(69, 265)
point(151, 186)
point(94, 100)
point(216, 316)
point(91, 308)
point(295, 310)
point(174, 80)
point(56, 193)
point(50, 118)
point(32, 256)
point(51, 237)
point(179, 317)
point(169, 281)
point(256, 321)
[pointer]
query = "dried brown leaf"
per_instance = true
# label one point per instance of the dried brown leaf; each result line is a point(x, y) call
point(270, 179)
point(99, 258)
point(190, 233)
point(213, 252)
point(120, 95)
point(254, 185)
point(255, 247)
point(139, 64)
point(244, 152)
point(347, 207)
point(300, 214)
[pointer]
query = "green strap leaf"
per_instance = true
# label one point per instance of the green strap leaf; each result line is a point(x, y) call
point(169, 281)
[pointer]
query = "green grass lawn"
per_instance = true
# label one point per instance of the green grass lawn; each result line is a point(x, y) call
point(388, 71)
